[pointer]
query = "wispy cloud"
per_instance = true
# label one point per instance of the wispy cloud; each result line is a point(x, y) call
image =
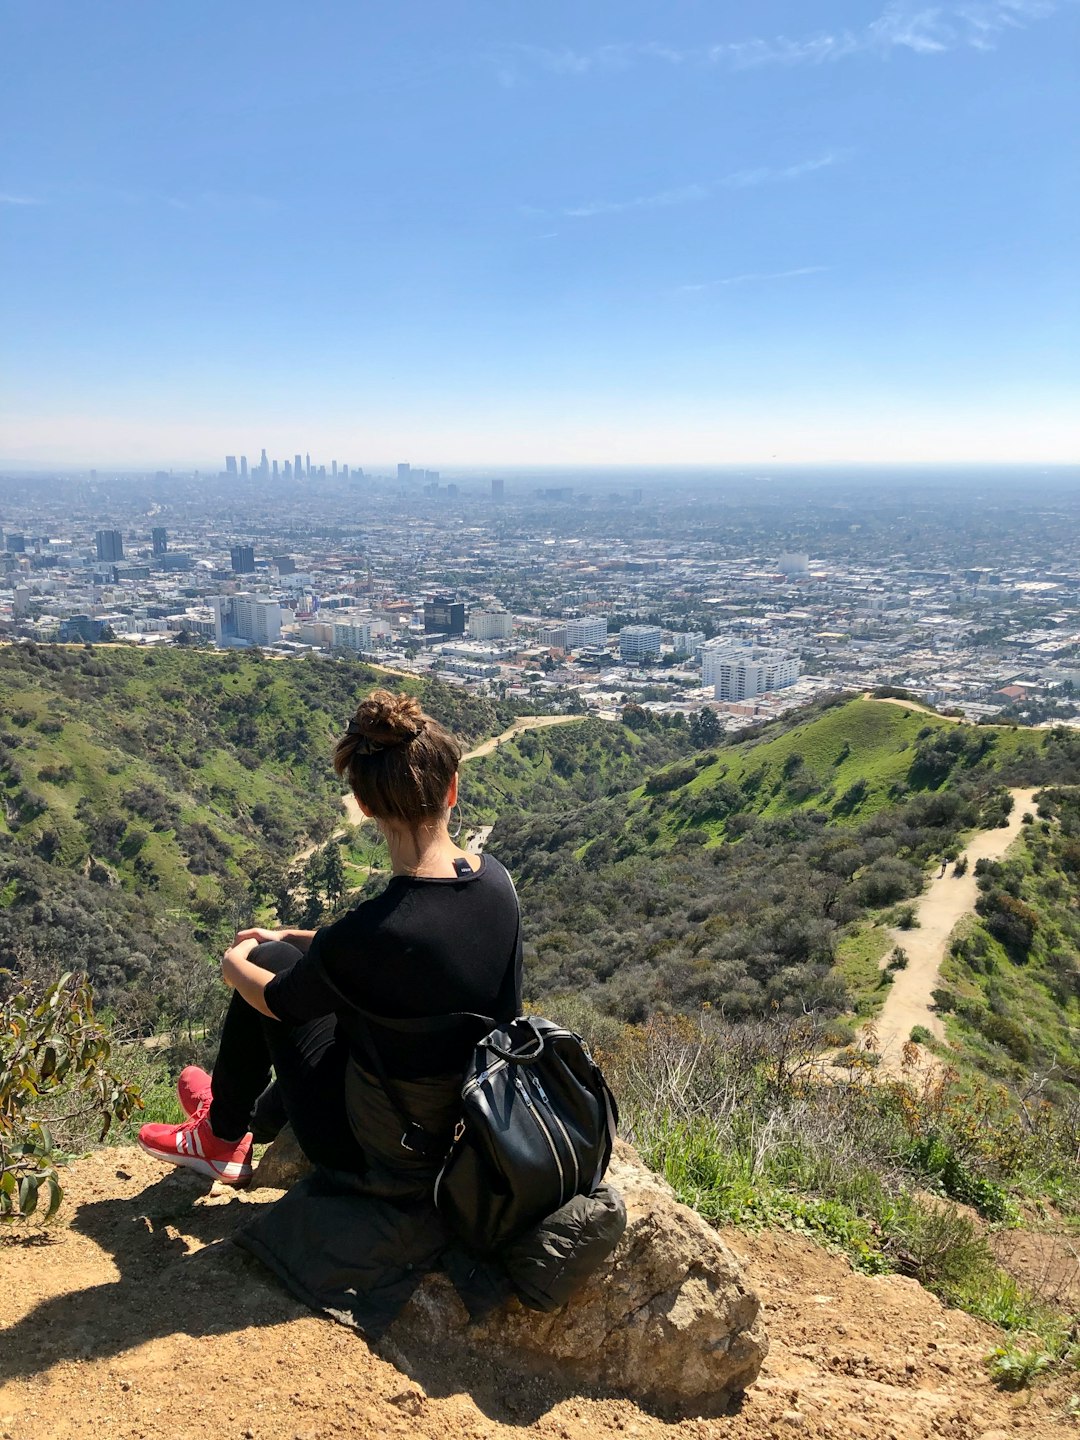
point(7, 199)
point(687, 194)
point(661, 200)
point(751, 276)
point(901, 26)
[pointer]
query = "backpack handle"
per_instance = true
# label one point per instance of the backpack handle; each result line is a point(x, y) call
point(521, 1057)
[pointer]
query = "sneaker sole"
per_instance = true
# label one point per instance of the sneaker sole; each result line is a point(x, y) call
point(232, 1173)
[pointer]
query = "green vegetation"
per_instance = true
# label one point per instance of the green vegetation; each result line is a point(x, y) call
point(51, 1050)
point(151, 801)
point(676, 890)
point(736, 1119)
point(1012, 977)
point(727, 878)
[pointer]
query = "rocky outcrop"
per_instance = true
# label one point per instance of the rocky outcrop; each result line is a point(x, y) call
point(667, 1320)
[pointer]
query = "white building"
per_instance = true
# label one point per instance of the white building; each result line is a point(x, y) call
point(589, 631)
point(793, 564)
point(739, 672)
point(254, 618)
point(317, 632)
point(492, 623)
point(552, 637)
point(688, 642)
point(352, 632)
point(640, 642)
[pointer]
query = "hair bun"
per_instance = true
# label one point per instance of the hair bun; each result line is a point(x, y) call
point(389, 719)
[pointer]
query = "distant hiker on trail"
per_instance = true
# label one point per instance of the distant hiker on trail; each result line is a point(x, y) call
point(442, 937)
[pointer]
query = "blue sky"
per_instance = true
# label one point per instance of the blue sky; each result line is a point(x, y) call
point(521, 233)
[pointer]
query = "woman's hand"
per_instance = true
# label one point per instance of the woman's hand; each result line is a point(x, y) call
point(240, 949)
point(258, 934)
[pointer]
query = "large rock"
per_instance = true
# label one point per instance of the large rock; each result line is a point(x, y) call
point(668, 1320)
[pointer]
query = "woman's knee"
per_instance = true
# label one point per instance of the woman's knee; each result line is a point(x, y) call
point(275, 955)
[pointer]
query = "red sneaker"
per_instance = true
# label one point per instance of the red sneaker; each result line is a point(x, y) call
point(195, 1145)
point(193, 1088)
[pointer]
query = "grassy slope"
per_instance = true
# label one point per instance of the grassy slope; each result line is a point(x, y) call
point(1008, 1003)
point(861, 743)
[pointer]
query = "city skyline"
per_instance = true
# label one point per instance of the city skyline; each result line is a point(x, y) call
point(836, 233)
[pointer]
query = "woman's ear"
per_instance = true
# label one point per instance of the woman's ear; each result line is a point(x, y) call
point(361, 806)
point(451, 794)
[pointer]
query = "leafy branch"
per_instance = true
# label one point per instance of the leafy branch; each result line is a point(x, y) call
point(50, 1044)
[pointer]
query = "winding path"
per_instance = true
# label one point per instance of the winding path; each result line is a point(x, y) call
point(946, 900)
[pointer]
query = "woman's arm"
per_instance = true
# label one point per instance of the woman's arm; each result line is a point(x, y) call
point(247, 979)
point(300, 938)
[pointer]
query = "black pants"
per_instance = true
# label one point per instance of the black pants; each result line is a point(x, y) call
point(309, 1062)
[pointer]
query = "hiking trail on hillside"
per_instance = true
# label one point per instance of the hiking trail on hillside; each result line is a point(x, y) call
point(118, 1322)
point(938, 910)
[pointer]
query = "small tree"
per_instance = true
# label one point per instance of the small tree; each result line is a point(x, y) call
point(50, 1045)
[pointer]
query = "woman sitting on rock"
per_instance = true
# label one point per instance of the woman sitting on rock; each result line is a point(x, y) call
point(442, 937)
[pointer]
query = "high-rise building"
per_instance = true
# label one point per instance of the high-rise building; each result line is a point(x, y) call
point(498, 491)
point(307, 463)
point(242, 558)
point(739, 672)
point(333, 468)
point(344, 472)
point(490, 623)
point(246, 617)
point(243, 467)
point(404, 470)
point(159, 540)
point(15, 543)
point(264, 466)
point(110, 545)
point(793, 565)
point(288, 469)
point(443, 616)
point(589, 631)
point(275, 470)
point(284, 564)
point(352, 633)
point(230, 464)
point(640, 642)
point(297, 467)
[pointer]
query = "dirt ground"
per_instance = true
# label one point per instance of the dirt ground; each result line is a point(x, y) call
point(126, 1321)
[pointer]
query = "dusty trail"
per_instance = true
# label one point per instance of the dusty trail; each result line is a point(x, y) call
point(911, 705)
point(522, 723)
point(126, 1321)
point(946, 900)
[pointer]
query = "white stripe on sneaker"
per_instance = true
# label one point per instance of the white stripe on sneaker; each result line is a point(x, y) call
point(197, 1143)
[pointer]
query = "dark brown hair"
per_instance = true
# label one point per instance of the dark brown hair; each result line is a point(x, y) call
point(398, 761)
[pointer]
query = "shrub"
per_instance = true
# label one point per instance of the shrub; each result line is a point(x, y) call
point(898, 960)
point(920, 1035)
point(906, 918)
point(49, 1045)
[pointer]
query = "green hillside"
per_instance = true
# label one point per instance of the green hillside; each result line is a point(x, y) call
point(151, 799)
point(752, 874)
point(846, 764)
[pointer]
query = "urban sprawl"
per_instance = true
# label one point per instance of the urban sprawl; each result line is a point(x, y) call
point(742, 594)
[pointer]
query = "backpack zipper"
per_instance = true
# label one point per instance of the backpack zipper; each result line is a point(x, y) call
point(535, 1113)
point(485, 1075)
point(562, 1130)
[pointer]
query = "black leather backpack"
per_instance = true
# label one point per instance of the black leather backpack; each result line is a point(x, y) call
point(537, 1127)
point(538, 1123)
